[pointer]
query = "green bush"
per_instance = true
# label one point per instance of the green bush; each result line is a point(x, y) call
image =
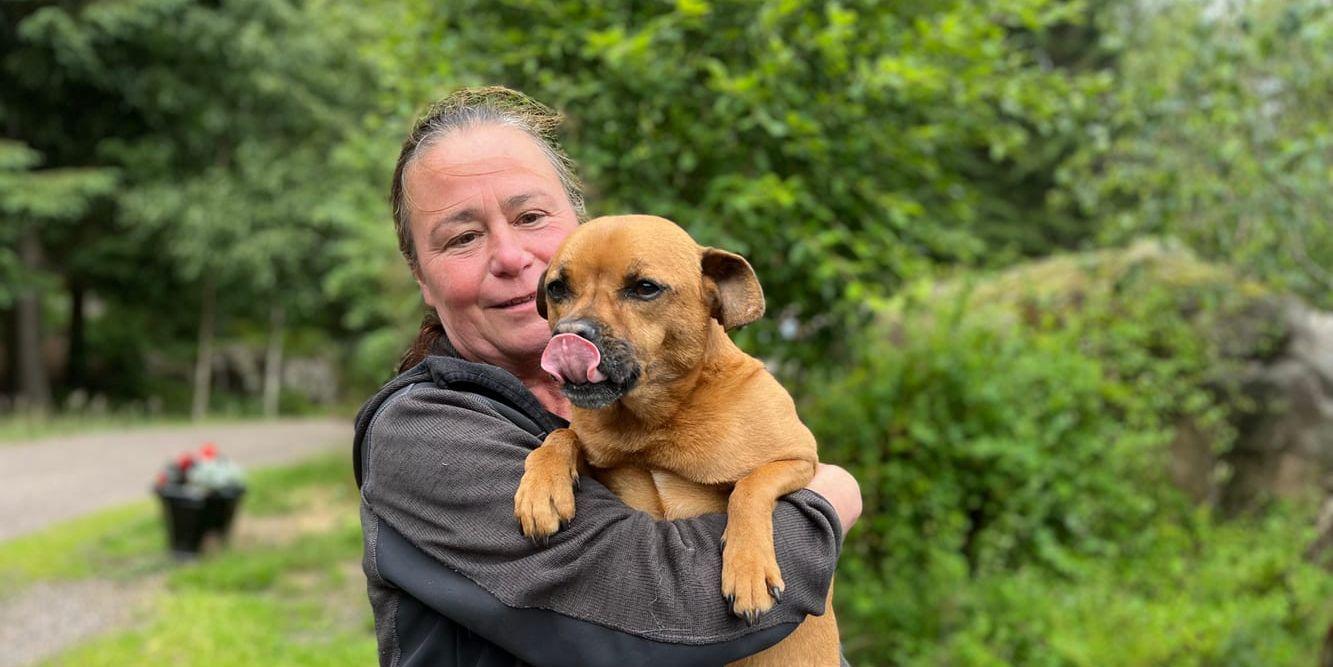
point(1009, 437)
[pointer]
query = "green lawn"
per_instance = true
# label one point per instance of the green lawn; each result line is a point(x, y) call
point(288, 590)
point(25, 428)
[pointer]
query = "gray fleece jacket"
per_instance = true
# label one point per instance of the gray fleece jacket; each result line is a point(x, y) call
point(452, 581)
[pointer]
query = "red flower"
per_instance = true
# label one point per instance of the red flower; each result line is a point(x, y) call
point(184, 461)
point(161, 479)
point(208, 452)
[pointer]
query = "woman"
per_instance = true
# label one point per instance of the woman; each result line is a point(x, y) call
point(482, 197)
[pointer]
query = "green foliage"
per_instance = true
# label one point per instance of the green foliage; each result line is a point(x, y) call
point(49, 194)
point(1008, 433)
point(1205, 594)
point(1217, 132)
point(221, 118)
point(843, 148)
point(33, 200)
point(238, 106)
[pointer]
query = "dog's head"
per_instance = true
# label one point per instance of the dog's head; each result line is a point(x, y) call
point(637, 297)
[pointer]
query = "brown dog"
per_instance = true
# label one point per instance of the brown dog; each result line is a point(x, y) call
point(675, 418)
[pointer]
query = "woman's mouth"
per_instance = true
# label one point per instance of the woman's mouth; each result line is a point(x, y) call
point(517, 301)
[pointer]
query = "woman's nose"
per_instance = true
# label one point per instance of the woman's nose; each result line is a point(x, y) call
point(508, 255)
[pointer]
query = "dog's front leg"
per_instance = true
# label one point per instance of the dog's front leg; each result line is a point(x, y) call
point(751, 580)
point(545, 498)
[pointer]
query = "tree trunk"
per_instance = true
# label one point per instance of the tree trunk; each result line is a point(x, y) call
point(9, 378)
point(277, 316)
point(77, 374)
point(203, 363)
point(34, 388)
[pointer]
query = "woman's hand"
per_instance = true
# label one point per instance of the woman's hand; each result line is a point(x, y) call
point(841, 490)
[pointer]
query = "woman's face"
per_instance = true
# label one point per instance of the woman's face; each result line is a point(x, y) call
point(487, 211)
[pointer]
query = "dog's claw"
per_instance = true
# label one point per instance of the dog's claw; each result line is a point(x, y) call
point(776, 593)
point(751, 617)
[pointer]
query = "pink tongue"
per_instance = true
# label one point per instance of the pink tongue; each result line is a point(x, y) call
point(572, 358)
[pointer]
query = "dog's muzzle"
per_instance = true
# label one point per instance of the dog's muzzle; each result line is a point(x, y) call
point(595, 370)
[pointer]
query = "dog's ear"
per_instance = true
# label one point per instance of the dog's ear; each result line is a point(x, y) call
point(737, 298)
point(541, 295)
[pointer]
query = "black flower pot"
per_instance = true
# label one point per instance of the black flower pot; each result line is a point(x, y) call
point(187, 520)
point(220, 509)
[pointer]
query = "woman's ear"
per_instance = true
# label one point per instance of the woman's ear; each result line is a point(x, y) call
point(737, 298)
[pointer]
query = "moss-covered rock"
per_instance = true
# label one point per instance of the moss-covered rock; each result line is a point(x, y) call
point(1245, 374)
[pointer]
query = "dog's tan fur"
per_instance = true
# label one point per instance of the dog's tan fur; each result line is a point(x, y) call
point(705, 429)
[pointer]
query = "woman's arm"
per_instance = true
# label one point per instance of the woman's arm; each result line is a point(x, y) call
point(441, 474)
point(841, 490)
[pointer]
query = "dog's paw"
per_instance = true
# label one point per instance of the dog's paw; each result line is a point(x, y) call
point(545, 498)
point(751, 580)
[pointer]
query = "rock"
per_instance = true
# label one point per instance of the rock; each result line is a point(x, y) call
point(1271, 357)
point(1284, 440)
point(1322, 546)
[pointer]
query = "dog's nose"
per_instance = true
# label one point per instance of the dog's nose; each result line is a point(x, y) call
point(582, 328)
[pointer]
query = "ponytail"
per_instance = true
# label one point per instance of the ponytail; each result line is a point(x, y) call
point(431, 340)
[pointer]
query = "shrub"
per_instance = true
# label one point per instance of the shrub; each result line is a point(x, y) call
point(1010, 437)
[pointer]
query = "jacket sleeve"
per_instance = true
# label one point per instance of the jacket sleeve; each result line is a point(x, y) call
point(441, 472)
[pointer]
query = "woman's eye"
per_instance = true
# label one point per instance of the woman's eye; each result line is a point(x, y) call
point(645, 289)
point(557, 290)
point(462, 239)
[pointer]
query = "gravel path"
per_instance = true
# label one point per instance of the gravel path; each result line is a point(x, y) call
point(61, 478)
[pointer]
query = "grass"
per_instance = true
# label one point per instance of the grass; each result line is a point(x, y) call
point(24, 427)
point(224, 629)
point(202, 628)
point(288, 590)
point(118, 544)
point(20, 428)
point(299, 604)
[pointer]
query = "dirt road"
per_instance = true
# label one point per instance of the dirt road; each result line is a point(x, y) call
point(60, 478)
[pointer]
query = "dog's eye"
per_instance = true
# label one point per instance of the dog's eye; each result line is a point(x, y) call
point(645, 289)
point(557, 290)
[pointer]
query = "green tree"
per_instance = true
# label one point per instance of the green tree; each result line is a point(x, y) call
point(232, 110)
point(367, 277)
point(1218, 132)
point(33, 202)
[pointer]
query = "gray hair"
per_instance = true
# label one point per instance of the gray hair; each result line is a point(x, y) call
point(472, 107)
